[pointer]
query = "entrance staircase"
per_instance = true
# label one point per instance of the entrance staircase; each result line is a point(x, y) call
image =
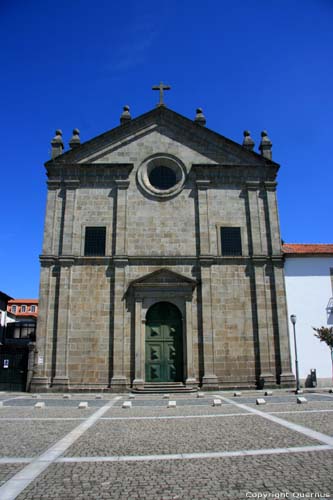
point(164, 388)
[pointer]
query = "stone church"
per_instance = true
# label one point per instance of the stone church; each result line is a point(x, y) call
point(161, 262)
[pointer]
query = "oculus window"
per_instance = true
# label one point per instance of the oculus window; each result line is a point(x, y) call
point(231, 242)
point(94, 243)
point(162, 177)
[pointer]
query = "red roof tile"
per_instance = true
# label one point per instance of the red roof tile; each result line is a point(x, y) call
point(306, 249)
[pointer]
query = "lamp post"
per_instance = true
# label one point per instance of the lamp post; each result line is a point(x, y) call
point(293, 320)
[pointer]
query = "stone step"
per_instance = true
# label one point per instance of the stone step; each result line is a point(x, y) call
point(162, 388)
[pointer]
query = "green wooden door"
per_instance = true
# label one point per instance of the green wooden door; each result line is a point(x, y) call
point(164, 344)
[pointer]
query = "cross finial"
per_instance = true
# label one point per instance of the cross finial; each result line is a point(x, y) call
point(161, 87)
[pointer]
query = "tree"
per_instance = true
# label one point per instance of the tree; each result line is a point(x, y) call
point(325, 334)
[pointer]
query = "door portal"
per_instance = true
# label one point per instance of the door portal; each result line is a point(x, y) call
point(164, 343)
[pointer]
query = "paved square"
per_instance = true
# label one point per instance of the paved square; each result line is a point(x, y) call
point(193, 451)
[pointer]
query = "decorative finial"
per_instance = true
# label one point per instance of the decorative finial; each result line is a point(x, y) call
point(161, 87)
point(57, 144)
point(126, 115)
point(75, 140)
point(265, 145)
point(248, 142)
point(200, 117)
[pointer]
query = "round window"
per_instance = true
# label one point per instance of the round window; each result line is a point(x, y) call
point(162, 177)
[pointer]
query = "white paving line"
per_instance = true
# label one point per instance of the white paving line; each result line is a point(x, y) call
point(165, 417)
point(12, 399)
point(330, 396)
point(175, 417)
point(319, 436)
point(176, 456)
point(15, 460)
point(190, 456)
point(294, 412)
point(14, 486)
point(6, 419)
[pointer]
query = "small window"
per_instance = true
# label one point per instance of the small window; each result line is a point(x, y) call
point(23, 309)
point(94, 244)
point(13, 309)
point(33, 309)
point(231, 243)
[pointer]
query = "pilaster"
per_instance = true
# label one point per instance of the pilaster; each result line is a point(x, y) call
point(60, 381)
point(202, 187)
point(70, 194)
point(253, 190)
point(209, 380)
point(265, 334)
point(287, 378)
point(273, 218)
point(49, 226)
point(121, 237)
point(139, 347)
point(119, 380)
point(190, 375)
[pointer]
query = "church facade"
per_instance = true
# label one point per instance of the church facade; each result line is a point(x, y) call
point(161, 261)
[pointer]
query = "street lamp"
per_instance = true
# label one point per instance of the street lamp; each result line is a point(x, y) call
point(293, 320)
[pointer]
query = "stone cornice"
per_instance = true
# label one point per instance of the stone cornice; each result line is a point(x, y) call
point(71, 183)
point(242, 174)
point(66, 260)
point(252, 185)
point(79, 172)
point(122, 183)
point(202, 183)
point(270, 185)
point(53, 183)
point(191, 260)
point(47, 260)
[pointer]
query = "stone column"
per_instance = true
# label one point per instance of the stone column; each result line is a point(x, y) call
point(139, 348)
point(273, 218)
point(265, 334)
point(70, 186)
point(61, 381)
point(202, 186)
point(256, 230)
point(119, 380)
point(40, 379)
point(52, 194)
point(286, 377)
point(209, 380)
point(121, 238)
point(190, 375)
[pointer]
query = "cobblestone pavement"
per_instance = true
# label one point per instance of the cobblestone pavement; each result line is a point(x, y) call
point(188, 479)
point(193, 451)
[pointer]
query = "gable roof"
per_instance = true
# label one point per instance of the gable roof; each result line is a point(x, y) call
point(307, 249)
point(170, 120)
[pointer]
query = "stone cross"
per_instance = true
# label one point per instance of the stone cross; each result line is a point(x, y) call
point(161, 87)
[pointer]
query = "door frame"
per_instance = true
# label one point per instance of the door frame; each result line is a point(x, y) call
point(163, 285)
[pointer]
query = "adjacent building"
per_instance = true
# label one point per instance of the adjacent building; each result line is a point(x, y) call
point(309, 287)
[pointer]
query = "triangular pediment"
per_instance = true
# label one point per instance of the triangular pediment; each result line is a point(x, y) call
point(163, 277)
point(165, 124)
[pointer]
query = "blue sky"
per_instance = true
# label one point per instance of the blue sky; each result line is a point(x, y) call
point(250, 64)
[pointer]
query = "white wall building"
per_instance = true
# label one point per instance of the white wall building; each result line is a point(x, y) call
point(309, 287)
